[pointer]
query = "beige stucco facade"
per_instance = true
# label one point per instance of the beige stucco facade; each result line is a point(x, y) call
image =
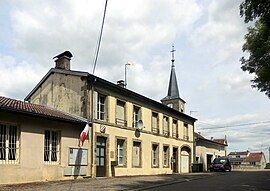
point(207, 151)
point(72, 94)
point(30, 165)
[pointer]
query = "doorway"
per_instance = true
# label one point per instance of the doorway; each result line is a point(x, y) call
point(208, 160)
point(175, 160)
point(101, 157)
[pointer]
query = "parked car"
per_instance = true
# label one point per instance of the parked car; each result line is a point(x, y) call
point(221, 164)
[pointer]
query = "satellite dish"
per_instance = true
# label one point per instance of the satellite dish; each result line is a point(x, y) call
point(140, 124)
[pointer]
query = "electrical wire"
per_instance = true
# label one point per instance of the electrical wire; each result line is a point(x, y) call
point(99, 39)
point(236, 125)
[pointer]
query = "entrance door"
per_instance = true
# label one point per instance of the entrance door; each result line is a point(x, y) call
point(209, 160)
point(101, 157)
point(185, 164)
point(175, 160)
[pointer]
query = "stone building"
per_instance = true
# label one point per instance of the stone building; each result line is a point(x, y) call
point(130, 134)
point(209, 149)
point(36, 142)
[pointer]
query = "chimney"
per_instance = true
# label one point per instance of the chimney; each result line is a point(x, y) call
point(63, 60)
point(121, 83)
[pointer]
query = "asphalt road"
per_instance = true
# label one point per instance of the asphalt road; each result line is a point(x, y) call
point(231, 181)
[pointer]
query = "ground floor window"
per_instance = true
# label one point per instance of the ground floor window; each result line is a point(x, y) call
point(52, 146)
point(165, 156)
point(155, 154)
point(9, 144)
point(121, 150)
point(136, 154)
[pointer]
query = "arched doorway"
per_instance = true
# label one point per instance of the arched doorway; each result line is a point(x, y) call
point(185, 159)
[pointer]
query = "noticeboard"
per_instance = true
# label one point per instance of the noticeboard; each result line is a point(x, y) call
point(78, 156)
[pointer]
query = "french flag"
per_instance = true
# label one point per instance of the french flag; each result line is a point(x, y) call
point(84, 133)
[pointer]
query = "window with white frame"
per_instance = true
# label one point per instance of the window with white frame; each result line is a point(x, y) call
point(136, 115)
point(120, 113)
point(186, 137)
point(155, 126)
point(155, 154)
point(174, 129)
point(52, 146)
point(165, 156)
point(166, 126)
point(121, 152)
point(9, 144)
point(101, 110)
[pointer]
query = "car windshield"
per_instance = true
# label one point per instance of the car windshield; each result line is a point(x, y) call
point(219, 161)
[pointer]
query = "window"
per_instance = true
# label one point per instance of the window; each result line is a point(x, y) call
point(120, 113)
point(9, 144)
point(136, 154)
point(155, 154)
point(101, 107)
point(136, 115)
point(170, 105)
point(51, 146)
point(155, 127)
point(121, 161)
point(165, 156)
point(186, 137)
point(166, 126)
point(174, 129)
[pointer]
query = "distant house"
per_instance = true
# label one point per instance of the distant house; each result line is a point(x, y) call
point(209, 149)
point(39, 143)
point(238, 157)
point(255, 160)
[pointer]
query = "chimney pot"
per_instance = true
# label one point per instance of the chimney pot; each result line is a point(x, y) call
point(63, 60)
point(121, 83)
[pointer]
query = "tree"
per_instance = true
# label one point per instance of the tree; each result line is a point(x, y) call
point(257, 42)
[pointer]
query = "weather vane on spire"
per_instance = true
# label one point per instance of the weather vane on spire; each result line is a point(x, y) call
point(172, 51)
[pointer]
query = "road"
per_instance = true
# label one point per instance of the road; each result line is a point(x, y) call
point(231, 181)
point(234, 181)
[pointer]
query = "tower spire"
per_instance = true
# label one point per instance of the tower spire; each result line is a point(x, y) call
point(172, 51)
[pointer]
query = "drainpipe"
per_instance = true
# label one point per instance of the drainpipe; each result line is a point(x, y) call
point(92, 129)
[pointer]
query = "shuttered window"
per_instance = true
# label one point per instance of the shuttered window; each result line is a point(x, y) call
point(120, 113)
point(9, 144)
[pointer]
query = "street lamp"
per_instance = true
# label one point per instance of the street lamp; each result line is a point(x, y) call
point(127, 64)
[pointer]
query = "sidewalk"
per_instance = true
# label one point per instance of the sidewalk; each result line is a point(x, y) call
point(117, 183)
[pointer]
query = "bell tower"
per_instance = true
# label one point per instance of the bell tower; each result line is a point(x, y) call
point(173, 99)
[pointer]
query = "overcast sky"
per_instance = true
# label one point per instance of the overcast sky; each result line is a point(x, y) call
point(208, 36)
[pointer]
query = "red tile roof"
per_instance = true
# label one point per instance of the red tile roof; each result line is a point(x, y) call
point(8, 104)
point(254, 157)
point(221, 141)
point(218, 141)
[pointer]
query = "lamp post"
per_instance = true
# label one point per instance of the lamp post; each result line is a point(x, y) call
point(127, 64)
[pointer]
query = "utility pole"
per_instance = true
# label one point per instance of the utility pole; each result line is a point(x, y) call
point(269, 154)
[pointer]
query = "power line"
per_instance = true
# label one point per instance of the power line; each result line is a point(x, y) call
point(99, 39)
point(236, 125)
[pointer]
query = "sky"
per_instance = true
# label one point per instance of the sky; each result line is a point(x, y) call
point(207, 34)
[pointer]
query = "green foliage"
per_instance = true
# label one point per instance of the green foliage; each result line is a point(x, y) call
point(267, 166)
point(257, 43)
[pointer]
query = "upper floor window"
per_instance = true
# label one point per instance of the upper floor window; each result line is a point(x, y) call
point(186, 137)
point(174, 129)
point(166, 131)
point(120, 113)
point(136, 115)
point(9, 144)
point(101, 112)
point(51, 147)
point(155, 126)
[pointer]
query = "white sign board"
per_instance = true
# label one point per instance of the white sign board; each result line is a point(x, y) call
point(78, 156)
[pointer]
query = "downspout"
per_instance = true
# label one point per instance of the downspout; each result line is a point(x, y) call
point(92, 129)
